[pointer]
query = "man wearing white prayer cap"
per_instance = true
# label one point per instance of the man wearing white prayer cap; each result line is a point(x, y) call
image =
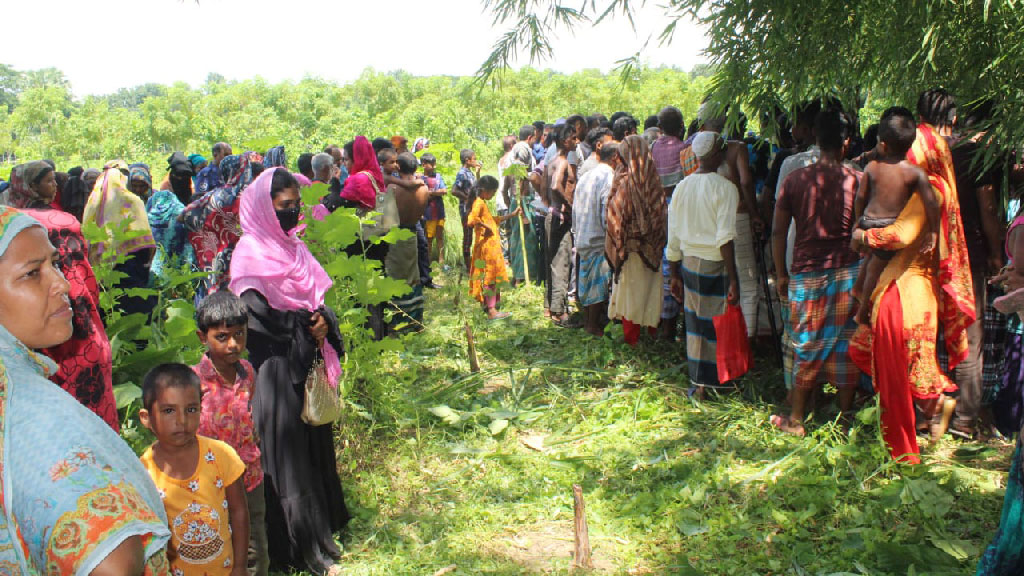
point(701, 253)
point(749, 222)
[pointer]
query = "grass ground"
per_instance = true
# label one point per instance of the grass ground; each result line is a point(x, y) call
point(443, 467)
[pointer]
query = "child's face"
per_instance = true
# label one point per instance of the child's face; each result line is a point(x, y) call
point(174, 416)
point(390, 166)
point(487, 194)
point(225, 344)
point(471, 161)
point(428, 168)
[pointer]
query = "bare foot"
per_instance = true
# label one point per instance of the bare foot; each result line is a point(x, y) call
point(788, 426)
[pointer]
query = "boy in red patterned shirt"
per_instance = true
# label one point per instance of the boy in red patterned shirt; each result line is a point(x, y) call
point(226, 414)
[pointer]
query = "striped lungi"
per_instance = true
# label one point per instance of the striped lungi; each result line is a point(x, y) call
point(822, 321)
point(705, 287)
point(595, 277)
point(993, 347)
point(409, 314)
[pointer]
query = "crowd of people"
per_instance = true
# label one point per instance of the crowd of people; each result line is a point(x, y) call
point(878, 263)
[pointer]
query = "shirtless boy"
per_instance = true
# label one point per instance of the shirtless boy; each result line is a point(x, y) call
point(402, 262)
point(887, 185)
point(558, 186)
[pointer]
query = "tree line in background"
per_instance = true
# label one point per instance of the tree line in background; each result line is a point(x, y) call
point(42, 119)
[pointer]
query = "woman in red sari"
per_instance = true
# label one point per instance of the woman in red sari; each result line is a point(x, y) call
point(915, 296)
point(84, 361)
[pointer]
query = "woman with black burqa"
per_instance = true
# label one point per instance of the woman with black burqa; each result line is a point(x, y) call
point(290, 328)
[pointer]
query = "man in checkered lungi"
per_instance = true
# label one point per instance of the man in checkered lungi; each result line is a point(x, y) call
point(818, 287)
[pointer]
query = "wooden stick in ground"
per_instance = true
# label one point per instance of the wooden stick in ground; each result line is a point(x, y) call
point(522, 243)
point(582, 558)
point(474, 365)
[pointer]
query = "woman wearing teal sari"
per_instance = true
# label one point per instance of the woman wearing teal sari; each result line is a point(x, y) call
point(173, 250)
point(1005, 555)
point(74, 499)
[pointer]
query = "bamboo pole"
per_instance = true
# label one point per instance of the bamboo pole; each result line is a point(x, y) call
point(582, 557)
point(522, 242)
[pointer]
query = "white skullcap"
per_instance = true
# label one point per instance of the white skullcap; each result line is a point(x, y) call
point(705, 143)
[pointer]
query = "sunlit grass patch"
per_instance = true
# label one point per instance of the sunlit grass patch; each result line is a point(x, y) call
point(476, 470)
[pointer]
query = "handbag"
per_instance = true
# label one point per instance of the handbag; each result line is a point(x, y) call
point(732, 351)
point(322, 403)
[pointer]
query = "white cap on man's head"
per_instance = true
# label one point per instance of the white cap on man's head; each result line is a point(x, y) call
point(705, 143)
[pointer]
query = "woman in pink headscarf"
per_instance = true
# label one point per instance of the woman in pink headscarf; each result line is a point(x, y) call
point(365, 183)
point(290, 328)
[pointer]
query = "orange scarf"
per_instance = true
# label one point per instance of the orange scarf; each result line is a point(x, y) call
point(956, 293)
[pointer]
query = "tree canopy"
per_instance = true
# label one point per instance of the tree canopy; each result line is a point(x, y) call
point(147, 122)
point(768, 52)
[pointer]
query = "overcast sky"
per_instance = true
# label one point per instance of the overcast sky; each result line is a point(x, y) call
point(103, 45)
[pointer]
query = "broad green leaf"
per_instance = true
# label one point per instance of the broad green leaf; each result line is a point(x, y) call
point(689, 529)
point(125, 394)
point(497, 426)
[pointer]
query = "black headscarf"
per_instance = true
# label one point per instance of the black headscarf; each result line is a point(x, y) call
point(180, 174)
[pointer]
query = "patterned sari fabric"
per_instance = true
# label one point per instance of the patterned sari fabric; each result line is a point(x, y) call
point(956, 305)
point(275, 157)
point(84, 361)
point(71, 490)
point(112, 203)
point(212, 224)
point(914, 296)
point(637, 220)
point(19, 193)
point(163, 209)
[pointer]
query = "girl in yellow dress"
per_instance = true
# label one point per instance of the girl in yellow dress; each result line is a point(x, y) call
point(488, 265)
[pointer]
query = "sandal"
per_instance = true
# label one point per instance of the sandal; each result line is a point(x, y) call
point(499, 316)
point(786, 425)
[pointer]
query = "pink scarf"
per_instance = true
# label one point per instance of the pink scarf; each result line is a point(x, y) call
point(302, 180)
point(366, 178)
point(278, 265)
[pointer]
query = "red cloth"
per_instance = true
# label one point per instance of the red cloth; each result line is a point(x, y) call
point(365, 177)
point(631, 332)
point(84, 363)
point(892, 377)
point(732, 351)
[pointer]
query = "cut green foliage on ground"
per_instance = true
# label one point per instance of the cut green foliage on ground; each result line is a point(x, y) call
point(446, 467)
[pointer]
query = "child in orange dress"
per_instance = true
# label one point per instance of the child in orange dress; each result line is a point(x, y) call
point(488, 264)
